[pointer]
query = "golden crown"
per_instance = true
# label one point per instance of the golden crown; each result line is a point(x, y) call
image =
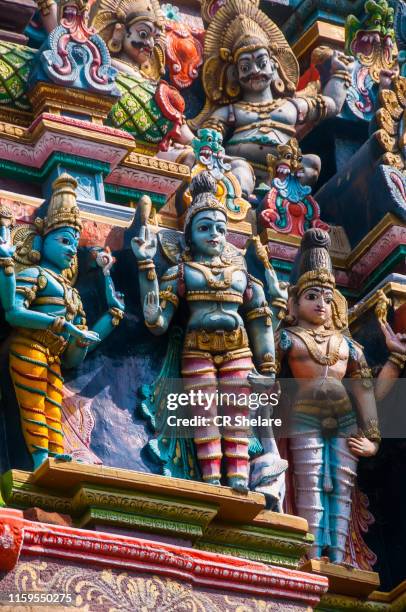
point(315, 278)
point(63, 210)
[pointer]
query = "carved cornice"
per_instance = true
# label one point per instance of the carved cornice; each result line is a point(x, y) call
point(47, 97)
point(166, 168)
point(199, 568)
point(395, 290)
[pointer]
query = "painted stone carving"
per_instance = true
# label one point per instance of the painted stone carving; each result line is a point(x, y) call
point(328, 433)
point(229, 329)
point(37, 267)
point(288, 207)
point(209, 154)
point(149, 108)
point(372, 43)
point(74, 55)
point(250, 76)
point(183, 48)
point(400, 33)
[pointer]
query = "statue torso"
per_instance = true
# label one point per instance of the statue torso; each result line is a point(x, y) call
point(214, 298)
point(257, 129)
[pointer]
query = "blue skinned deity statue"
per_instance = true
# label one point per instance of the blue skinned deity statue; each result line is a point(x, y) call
point(46, 314)
point(229, 342)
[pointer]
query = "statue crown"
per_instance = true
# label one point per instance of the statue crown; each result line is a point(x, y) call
point(63, 210)
point(203, 188)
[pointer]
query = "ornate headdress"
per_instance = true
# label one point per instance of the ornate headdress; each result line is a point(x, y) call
point(316, 270)
point(240, 26)
point(63, 210)
point(107, 14)
point(202, 189)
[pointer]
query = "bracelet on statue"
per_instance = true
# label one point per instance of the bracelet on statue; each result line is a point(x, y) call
point(282, 305)
point(167, 295)
point(149, 266)
point(398, 359)
point(268, 366)
point(343, 75)
point(7, 263)
point(261, 312)
point(372, 431)
point(117, 316)
point(158, 323)
point(57, 325)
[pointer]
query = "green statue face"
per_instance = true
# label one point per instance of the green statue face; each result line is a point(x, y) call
point(208, 231)
point(60, 247)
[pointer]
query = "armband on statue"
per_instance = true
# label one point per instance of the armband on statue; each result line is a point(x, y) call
point(398, 360)
point(261, 312)
point(372, 431)
point(148, 266)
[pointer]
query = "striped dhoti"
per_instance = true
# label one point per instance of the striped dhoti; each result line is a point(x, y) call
point(38, 384)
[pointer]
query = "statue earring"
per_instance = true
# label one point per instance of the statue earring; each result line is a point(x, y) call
point(279, 86)
point(114, 45)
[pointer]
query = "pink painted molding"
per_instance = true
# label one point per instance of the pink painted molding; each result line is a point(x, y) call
point(87, 126)
point(35, 155)
point(204, 569)
point(356, 275)
point(143, 181)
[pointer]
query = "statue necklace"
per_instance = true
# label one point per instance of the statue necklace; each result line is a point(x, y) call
point(70, 294)
point(312, 339)
point(263, 109)
point(209, 271)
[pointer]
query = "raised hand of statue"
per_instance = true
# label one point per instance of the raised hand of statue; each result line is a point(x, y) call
point(104, 260)
point(85, 336)
point(276, 288)
point(362, 447)
point(396, 343)
point(152, 310)
point(6, 247)
point(144, 246)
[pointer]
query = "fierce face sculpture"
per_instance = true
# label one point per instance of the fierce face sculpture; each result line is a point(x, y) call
point(139, 41)
point(256, 70)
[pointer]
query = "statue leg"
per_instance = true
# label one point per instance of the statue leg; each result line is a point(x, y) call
point(244, 174)
point(312, 167)
point(53, 409)
point(199, 373)
point(28, 370)
point(233, 380)
point(307, 451)
point(343, 473)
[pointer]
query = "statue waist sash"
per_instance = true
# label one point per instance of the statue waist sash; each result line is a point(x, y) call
point(328, 411)
point(215, 296)
point(44, 340)
point(216, 341)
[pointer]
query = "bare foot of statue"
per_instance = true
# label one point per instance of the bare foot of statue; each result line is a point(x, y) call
point(238, 484)
point(39, 457)
point(63, 457)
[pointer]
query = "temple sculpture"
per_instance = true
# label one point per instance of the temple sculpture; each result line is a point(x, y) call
point(236, 170)
point(329, 434)
point(221, 344)
point(250, 76)
point(47, 316)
